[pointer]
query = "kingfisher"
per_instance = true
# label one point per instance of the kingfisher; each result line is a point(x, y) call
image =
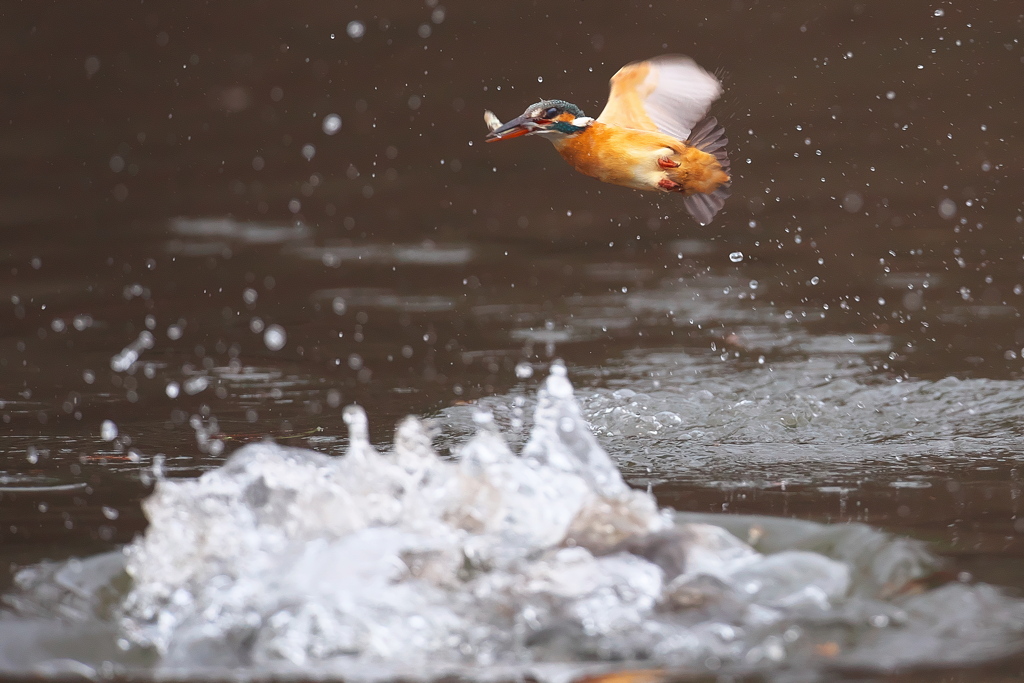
point(653, 133)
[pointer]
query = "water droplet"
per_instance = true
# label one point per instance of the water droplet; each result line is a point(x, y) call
point(355, 29)
point(483, 418)
point(358, 426)
point(110, 513)
point(308, 151)
point(275, 337)
point(108, 430)
point(939, 13)
point(524, 370)
point(736, 256)
point(332, 124)
point(172, 390)
point(129, 354)
point(540, 79)
point(196, 385)
point(947, 208)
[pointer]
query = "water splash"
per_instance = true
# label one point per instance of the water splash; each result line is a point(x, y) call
point(379, 565)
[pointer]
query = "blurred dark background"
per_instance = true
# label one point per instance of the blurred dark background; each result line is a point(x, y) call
point(121, 115)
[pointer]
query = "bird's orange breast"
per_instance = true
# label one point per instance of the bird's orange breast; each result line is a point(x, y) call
point(624, 156)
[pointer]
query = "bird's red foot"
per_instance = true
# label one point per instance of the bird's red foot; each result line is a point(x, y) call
point(669, 185)
point(665, 162)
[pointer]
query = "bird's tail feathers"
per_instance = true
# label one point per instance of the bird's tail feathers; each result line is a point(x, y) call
point(703, 207)
point(708, 136)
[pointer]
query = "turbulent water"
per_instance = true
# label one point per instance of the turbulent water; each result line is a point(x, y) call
point(375, 565)
point(815, 415)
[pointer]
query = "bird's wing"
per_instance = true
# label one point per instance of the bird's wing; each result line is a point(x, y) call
point(668, 94)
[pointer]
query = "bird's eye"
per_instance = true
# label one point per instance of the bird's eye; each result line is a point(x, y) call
point(550, 112)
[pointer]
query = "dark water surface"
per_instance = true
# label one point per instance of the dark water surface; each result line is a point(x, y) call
point(844, 343)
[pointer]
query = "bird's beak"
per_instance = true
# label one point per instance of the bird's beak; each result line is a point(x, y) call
point(513, 129)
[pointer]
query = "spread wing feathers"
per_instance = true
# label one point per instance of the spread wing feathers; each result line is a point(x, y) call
point(668, 94)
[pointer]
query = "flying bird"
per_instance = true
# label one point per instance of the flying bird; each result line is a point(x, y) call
point(652, 134)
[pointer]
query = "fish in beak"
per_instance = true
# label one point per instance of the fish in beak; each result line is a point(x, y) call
point(492, 121)
point(515, 128)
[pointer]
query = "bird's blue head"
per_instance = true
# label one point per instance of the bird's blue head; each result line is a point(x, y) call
point(552, 117)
